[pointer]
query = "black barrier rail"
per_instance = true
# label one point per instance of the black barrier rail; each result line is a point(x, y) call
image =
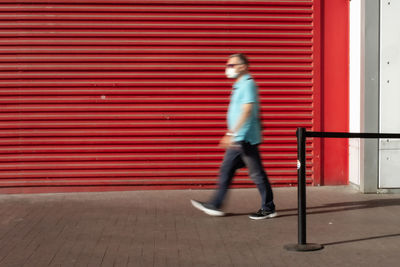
point(302, 134)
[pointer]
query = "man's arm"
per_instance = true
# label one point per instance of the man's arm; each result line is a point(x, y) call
point(246, 112)
point(227, 140)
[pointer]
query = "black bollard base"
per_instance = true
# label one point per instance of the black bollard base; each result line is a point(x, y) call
point(303, 247)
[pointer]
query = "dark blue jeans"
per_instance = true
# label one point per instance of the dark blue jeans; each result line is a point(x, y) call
point(241, 155)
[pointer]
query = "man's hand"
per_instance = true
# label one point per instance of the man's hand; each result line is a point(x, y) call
point(226, 142)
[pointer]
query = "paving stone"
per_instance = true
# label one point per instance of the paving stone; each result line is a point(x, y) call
point(161, 228)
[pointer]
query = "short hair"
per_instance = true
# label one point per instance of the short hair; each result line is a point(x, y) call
point(242, 57)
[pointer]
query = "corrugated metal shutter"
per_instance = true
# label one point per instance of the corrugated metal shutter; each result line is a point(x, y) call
point(133, 93)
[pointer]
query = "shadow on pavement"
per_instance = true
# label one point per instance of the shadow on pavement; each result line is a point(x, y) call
point(361, 239)
point(334, 207)
point(346, 206)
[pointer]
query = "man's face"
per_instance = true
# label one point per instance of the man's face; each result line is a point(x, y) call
point(237, 65)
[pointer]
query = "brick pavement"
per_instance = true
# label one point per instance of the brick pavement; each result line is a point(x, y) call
point(160, 228)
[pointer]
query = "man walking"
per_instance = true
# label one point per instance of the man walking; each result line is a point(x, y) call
point(241, 142)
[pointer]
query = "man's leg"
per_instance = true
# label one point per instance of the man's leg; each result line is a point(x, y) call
point(232, 161)
point(251, 156)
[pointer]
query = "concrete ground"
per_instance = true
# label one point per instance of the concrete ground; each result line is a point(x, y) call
point(161, 228)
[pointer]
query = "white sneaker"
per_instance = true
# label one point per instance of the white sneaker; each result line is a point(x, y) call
point(207, 208)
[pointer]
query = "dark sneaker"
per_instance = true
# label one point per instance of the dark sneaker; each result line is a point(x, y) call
point(207, 208)
point(263, 214)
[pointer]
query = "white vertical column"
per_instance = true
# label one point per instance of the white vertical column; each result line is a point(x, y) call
point(355, 93)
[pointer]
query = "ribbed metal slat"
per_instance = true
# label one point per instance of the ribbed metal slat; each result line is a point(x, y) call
point(132, 93)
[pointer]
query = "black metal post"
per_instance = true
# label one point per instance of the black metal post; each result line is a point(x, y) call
point(301, 187)
point(302, 244)
point(302, 134)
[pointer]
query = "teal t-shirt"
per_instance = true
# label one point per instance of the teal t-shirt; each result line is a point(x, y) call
point(244, 92)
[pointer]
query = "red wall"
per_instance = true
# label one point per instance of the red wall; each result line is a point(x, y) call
point(335, 90)
point(92, 132)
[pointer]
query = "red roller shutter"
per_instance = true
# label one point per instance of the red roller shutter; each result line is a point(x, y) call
point(109, 94)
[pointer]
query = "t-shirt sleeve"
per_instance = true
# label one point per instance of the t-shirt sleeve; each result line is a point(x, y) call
point(249, 93)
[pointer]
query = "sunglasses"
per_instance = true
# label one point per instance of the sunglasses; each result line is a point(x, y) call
point(233, 65)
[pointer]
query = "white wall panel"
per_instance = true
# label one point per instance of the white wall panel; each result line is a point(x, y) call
point(389, 165)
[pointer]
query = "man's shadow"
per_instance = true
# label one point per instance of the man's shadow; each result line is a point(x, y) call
point(342, 206)
point(346, 206)
point(335, 207)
